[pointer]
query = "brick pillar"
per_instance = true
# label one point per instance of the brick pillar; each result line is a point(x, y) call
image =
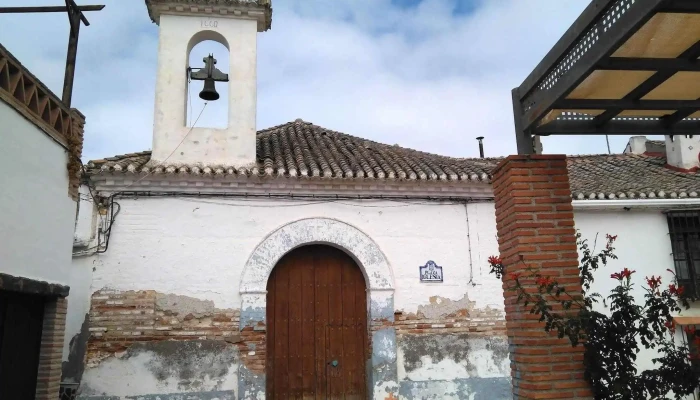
point(535, 223)
point(51, 351)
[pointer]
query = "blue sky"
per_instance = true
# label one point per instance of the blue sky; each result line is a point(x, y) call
point(426, 74)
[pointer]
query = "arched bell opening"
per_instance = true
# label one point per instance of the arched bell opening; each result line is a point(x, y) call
point(216, 113)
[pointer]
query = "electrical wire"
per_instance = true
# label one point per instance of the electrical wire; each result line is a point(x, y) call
point(108, 232)
point(307, 199)
point(174, 150)
point(469, 245)
point(189, 94)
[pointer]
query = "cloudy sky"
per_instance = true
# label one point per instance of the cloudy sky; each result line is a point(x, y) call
point(426, 74)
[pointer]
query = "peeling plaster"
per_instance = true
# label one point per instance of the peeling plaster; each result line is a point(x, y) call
point(383, 368)
point(165, 367)
point(452, 357)
point(471, 389)
point(440, 307)
point(252, 317)
point(72, 369)
point(381, 306)
point(466, 367)
point(184, 305)
point(251, 385)
point(216, 395)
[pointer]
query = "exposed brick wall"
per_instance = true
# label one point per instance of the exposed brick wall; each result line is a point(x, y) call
point(462, 321)
point(51, 351)
point(535, 223)
point(120, 318)
point(252, 348)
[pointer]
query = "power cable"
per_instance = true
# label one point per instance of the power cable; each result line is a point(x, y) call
point(174, 150)
point(108, 230)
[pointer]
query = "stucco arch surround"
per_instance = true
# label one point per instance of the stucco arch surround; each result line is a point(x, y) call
point(357, 244)
point(382, 377)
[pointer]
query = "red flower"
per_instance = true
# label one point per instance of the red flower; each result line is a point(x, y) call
point(514, 275)
point(610, 237)
point(654, 282)
point(494, 260)
point(671, 325)
point(544, 281)
point(626, 273)
point(676, 291)
point(690, 330)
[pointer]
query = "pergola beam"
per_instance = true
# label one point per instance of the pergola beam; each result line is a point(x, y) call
point(652, 83)
point(682, 6)
point(46, 9)
point(679, 116)
point(627, 104)
point(626, 126)
point(649, 64)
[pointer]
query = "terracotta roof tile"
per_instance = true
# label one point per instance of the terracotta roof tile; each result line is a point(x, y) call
point(302, 149)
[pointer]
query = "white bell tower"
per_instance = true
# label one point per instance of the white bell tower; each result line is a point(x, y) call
point(182, 25)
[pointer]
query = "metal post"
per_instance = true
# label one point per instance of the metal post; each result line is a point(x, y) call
point(522, 138)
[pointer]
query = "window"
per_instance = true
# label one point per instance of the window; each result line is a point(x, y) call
point(684, 229)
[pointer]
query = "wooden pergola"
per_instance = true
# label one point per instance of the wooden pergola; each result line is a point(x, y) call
point(624, 67)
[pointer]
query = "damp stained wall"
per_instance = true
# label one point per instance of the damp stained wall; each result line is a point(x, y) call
point(197, 248)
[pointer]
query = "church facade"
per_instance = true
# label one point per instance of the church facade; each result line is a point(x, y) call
point(301, 262)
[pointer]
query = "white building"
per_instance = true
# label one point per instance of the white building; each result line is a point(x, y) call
point(293, 267)
point(40, 146)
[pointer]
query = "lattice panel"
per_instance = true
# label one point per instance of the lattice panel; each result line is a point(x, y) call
point(589, 40)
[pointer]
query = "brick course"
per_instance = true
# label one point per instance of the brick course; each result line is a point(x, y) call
point(51, 350)
point(119, 319)
point(485, 323)
point(535, 229)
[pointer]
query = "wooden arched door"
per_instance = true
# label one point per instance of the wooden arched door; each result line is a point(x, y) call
point(316, 326)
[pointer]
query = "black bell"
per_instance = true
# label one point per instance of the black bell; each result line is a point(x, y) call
point(209, 92)
point(210, 75)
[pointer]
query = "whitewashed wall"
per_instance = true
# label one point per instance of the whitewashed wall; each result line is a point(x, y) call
point(36, 232)
point(198, 247)
point(643, 245)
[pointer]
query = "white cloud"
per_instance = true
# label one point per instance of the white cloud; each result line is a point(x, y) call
point(421, 76)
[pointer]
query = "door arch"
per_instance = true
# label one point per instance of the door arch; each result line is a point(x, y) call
point(317, 335)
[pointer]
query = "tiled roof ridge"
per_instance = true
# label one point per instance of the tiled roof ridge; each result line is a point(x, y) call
point(300, 149)
point(349, 136)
